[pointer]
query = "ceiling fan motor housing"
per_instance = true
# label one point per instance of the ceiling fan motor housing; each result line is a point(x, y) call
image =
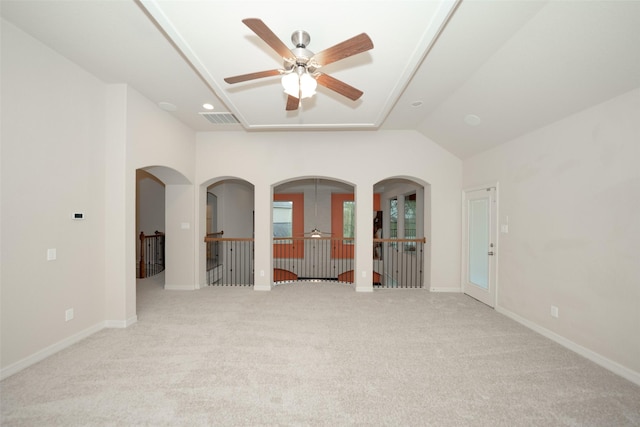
point(300, 38)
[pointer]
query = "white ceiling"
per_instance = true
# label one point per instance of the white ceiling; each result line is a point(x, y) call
point(219, 45)
point(516, 65)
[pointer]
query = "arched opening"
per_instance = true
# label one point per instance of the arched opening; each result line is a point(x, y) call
point(313, 227)
point(402, 225)
point(163, 201)
point(150, 225)
point(230, 230)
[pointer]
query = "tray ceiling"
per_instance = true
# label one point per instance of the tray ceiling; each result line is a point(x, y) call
point(219, 45)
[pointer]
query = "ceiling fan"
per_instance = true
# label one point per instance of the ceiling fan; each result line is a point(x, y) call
point(300, 73)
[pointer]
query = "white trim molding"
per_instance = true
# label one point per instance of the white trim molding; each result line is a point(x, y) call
point(120, 323)
point(40, 355)
point(456, 289)
point(598, 359)
point(180, 287)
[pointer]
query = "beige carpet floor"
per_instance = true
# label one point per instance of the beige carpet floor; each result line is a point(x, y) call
point(316, 355)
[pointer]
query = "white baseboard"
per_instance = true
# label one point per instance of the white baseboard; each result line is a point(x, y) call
point(179, 287)
point(38, 356)
point(456, 289)
point(263, 287)
point(598, 359)
point(120, 323)
point(365, 288)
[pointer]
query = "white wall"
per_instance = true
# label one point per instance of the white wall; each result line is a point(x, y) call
point(235, 208)
point(150, 202)
point(70, 143)
point(164, 147)
point(571, 192)
point(179, 239)
point(53, 145)
point(322, 218)
point(267, 159)
point(141, 135)
point(235, 204)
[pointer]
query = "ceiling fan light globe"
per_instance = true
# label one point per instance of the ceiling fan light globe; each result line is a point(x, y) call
point(290, 84)
point(293, 93)
point(307, 94)
point(308, 85)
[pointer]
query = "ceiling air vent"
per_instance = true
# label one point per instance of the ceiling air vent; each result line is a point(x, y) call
point(220, 118)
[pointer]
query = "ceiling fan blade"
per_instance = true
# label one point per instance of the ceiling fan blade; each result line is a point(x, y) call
point(292, 103)
point(252, 76)
point(339, 86)
point(353, 46)
point(260, 28)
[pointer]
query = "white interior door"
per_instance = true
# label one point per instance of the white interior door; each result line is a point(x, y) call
point(480, 236)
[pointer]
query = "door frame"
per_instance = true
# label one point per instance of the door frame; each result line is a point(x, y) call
point(495, 239)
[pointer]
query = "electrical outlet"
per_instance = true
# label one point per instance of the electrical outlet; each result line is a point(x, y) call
point(554, 311)
point(68, 315)
point(51, 254)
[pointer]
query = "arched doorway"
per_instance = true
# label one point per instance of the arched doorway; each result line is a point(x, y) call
point(150, 225)
point(402, 225)
point(313, 227)
point(229, 227)
point(164, 199)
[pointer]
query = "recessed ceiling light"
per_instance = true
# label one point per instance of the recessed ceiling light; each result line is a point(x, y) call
point(207, 106)
point(167, 106)
point(472, 120)
point(416, 104)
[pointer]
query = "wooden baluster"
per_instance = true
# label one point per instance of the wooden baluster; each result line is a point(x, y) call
point(143, 269)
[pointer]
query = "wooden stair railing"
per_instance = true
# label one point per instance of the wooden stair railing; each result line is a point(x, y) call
point(157, 241)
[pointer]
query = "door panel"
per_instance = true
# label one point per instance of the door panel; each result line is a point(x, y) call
point(480, 248)
point(479, 242)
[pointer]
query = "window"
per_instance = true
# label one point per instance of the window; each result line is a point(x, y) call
point(402, 219)
point(348, 220)
point(410, 221)
point(393, 218)
point(288, 225)
point(283, 219)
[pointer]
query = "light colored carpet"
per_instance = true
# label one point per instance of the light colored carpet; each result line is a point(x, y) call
point(316, 354)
